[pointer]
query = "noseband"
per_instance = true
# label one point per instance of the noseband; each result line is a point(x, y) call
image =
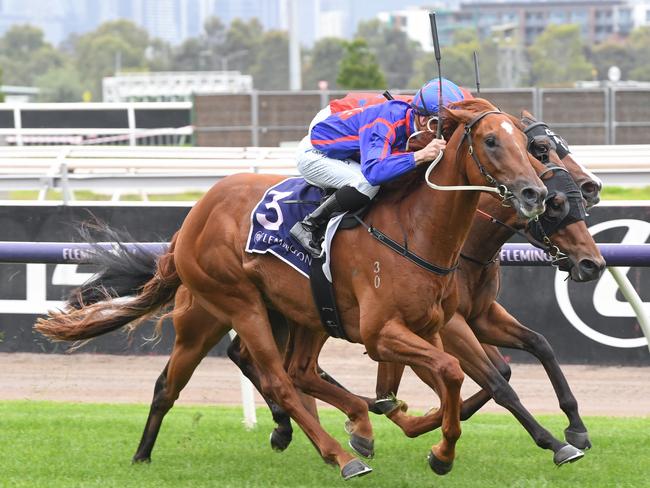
point(542, 226)
point(467, 135)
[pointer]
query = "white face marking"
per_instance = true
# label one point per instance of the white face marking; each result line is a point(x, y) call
point(508, 127)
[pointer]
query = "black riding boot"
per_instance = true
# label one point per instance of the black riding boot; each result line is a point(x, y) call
point(307, 232)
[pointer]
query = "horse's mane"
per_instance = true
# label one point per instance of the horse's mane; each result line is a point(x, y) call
point(397, 190)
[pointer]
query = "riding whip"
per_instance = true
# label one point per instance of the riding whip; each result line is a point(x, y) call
point(477, 74)
point(436, 50)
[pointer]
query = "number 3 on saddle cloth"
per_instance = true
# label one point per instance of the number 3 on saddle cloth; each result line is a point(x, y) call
point(279, 209)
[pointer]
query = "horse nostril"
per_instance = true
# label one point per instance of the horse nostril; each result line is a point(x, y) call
point(589, 188)
point(590, 268)
point(532, 195)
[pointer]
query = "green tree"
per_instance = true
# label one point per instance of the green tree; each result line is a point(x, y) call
point(236, 48)
point(115, 44)
point(190, 56)
point(393, 49)
point(458, 62)
point(322, 63)
point(60, 85)
point(612, 53)
point(558, 57)
point(271, 72)
point(358, 69)
point(243, 43)
point(639, 42)
point(25, 55)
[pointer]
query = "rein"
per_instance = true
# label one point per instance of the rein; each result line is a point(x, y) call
point(503, 192)
point(404, 251)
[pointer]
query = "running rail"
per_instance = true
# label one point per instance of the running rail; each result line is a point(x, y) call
point(511, 255)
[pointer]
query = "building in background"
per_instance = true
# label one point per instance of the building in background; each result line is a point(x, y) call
point(19, 94)
point(172, 86)
point(524, 19)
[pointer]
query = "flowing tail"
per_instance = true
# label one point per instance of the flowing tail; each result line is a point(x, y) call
point(129, 288)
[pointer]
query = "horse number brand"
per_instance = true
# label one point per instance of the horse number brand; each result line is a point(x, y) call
point(376, 269)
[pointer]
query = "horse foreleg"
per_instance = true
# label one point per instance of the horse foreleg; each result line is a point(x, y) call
point(389, 376)
point(502, 329)
point(461, 342)
point(475, 402)
point(394, 342)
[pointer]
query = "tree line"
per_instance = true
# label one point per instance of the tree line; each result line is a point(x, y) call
point(379, 57)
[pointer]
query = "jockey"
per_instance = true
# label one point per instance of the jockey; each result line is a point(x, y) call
point(357, 150)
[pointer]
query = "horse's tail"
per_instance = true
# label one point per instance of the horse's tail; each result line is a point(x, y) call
point(129, 288)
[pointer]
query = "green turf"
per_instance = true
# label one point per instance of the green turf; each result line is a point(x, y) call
point(55, 444)
point(608, 193)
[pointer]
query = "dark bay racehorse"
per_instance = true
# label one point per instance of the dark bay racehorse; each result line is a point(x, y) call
point(397, 322)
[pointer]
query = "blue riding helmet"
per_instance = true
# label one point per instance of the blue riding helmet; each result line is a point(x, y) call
point(425, 101)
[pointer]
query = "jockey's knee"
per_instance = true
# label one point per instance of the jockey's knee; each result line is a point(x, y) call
point(366, 188)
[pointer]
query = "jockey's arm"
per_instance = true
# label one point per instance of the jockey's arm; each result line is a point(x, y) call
point(379, 163)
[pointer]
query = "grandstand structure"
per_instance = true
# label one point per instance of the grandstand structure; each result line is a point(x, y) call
point(172, 86)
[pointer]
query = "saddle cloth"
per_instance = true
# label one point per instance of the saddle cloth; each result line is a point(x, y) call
point(280, 208)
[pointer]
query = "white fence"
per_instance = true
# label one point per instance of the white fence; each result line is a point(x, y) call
point(59, 132)
point(113, 170)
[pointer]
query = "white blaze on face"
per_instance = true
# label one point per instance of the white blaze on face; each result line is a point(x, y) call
point(507, 126)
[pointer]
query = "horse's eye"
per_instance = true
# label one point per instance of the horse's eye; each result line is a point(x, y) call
point(491, 141)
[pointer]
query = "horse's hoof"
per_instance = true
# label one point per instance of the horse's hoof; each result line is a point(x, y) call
point(138, 460)
point(363, 447)
point(279, 441)
point(568, 454)
point(577, 439)
point(355, 468)
point(438, 466)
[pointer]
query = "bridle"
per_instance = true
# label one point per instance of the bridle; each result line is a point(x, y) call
point(539, 229)
point(495, 187)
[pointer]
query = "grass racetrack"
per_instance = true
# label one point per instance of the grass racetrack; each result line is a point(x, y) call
point(64, 444)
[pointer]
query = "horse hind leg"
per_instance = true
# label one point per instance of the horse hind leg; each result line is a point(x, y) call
point(189, 349)
point(250, 320)
point(303, 369)
point(282, 435)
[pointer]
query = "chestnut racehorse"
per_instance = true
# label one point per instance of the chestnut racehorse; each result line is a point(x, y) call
point(479, 315)
point(397, 322)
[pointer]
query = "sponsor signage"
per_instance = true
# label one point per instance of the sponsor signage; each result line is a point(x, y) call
point(584, 322)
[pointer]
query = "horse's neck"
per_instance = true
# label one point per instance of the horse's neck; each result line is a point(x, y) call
point(437, 222)
point(485, 237)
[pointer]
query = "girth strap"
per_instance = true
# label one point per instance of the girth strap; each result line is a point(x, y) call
point(404, 251)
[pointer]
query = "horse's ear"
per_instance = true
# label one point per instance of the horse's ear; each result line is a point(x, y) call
point(527, 118)
point(458, 115)
point(450, 121)
point(525, 113)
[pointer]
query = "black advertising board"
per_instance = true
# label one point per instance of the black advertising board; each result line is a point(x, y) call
point(27, 290)
point(585, 323)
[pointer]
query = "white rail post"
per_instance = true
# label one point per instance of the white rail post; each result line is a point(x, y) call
point(18, 126)
point(130, 113)
point(247, 395)
point(633, 299)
